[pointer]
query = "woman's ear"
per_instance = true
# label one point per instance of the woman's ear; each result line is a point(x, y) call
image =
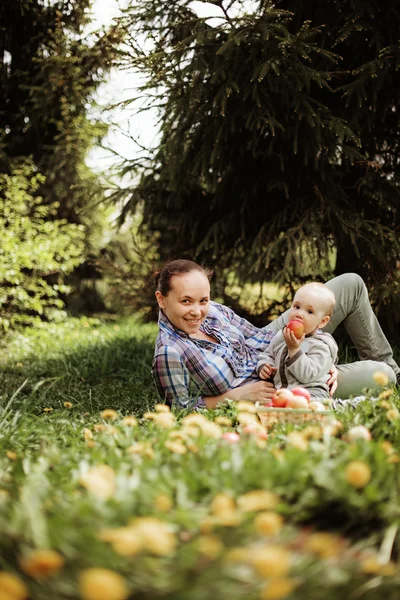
point(324, 321)
point(160, 299)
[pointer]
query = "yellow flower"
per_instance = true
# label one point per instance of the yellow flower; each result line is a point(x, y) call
point(239, 554)
point(258, 500)
point(221, 504)
point(358, 473)
point(11, 587)
point(99, 427)
point(392, 414)
point(124, 540)
point(102, 584)
point(99, 481)
point(313, 432)
point(142, 448)
point(387, 448)
point(149, 416)
point(393, 459)
point(268, 523)
point(47, 410)
point(40, 564)
point(385, 394)
point(211, 430)
point(109, 414)
point(87, 434)
point(194, 419)
point(155, 535)
point(175, 447)
point(90, 443)
point(278, 588)
point(325, 544)
point(67, 404)
point(162, 408)
point(130, 421)
point(380, 378)
point(297, 440)
point(223, 421)
point(163, 503)
point(210, 546)
point(370, 565)
point(165, 420)
point(271, 561)
point(11, 455)
point(247, 418)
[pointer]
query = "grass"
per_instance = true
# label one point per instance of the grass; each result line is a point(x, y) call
point(169, 506)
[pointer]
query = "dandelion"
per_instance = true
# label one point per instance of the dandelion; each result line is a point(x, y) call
point(47, 410)
point(324, 544)
point(99, 481)
point(100, 427)
point(385, 394)
point(125, 541)
point(358, 473)
point(155, 535)
point(270, 561)
point(129, 421)
point(68, 405)
point(380, 378)
point(162, 408)
point(278, 588)
point(209, 546)
point(109, 414)
point(165, 420)
point(142, 448)
point(87, 434)
point(149, 416)
point(98, 584)
point(221, 504)
point(90, 443)
point(194, 419)
point(223, 421)
point(11, 455)
point(257, 500)
point(235, 555)
point(359, 432)
point(297, 440)
point(244, 406)
point(11, 587)
point(163, 503)
point(41, 564)
point(268, 523)
point(176, 447)
point(392, 414)
point(247, 418)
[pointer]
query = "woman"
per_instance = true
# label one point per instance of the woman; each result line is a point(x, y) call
point(205, 353)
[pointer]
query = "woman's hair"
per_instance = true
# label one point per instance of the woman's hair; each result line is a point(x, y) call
point(174, 268)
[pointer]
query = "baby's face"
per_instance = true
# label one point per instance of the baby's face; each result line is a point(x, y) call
point(309, 308)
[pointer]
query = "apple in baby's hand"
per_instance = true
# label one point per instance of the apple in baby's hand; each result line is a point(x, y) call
point(281, 397)
point(297, 327)
point(300, 391)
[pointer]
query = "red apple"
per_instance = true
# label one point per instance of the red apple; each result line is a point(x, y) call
point(300, 391)
point(297, 402)
point(297, 327)
point(280, 398)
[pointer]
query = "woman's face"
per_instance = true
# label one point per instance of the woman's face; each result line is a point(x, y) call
point(188, 301)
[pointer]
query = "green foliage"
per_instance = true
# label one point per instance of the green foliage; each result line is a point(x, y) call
point(37, 250)
point(278, 138)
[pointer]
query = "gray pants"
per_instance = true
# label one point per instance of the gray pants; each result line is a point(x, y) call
point(353, 309)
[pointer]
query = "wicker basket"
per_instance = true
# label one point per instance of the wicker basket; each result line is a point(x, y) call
point(295, 416)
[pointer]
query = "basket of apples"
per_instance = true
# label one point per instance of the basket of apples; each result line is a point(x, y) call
point(292, 406)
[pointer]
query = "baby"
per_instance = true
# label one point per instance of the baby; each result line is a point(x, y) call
point(306, 361)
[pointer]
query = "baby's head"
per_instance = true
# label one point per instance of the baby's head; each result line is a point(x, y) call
point(312, 304)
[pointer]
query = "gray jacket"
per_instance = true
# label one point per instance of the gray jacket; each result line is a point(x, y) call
point(308, 367)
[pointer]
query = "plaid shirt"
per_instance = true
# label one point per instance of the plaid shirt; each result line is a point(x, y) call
point(186, 369)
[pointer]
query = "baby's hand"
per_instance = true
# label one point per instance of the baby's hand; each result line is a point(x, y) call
point(292, 342)
point(266, 371)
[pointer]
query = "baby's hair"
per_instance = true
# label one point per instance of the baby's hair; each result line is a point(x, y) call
point(175, 268)
point(329, 296)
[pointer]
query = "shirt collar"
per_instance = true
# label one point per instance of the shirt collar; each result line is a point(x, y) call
point(165, 325)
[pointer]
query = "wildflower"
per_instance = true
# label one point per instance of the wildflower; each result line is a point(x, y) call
point(162, 408)
point(40, 564)
point(211, 430)
point(387, 447)
point(257, 500)
point(392, 414)
point(194, 419)
point(11, 455)
point(380, 378)
point(270, 561)
point(109, 414)
point(324, 544)
point(99, 427)
point(99, 481)
point(176, 447)
point(19, 364)
point(129, 421)
point(359, 432)
point(142, 448)
point(297, 440)
point(124, 540)
point(247, 418)
point(394, 459)
point(47, 410)
point(244, 406)
point(223, 421)
point(90, 443)
point(358, 473)
point(165, 420)
point(385, 394)
point(278, 588)
point(155, 535)
point(87, 434)
point(163, 503)
point(11, 587)
point(149, 416)
point(268, 523)
point(210, 546)
point(67, 404)
point(221, 504)
point(98, 584)
point(235, 555)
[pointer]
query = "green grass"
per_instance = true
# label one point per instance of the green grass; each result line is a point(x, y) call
point(162, 485)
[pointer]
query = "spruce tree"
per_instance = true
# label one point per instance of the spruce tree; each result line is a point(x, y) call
point(278, 156)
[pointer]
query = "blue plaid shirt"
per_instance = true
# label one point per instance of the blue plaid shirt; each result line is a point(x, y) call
point(186, 369)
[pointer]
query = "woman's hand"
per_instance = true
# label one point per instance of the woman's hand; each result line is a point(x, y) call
point(259, 391)
point(332, 381)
